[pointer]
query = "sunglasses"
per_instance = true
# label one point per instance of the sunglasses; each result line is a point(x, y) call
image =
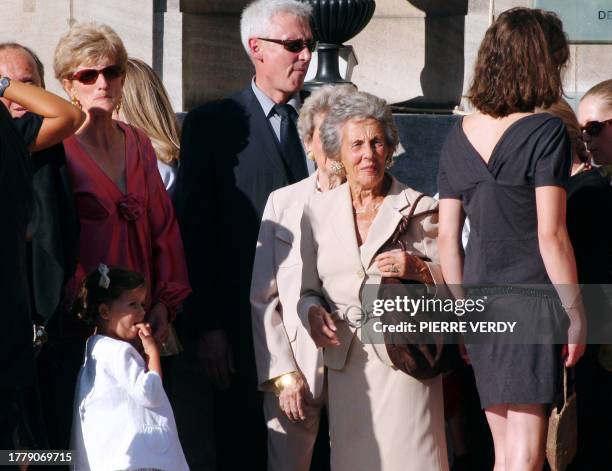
point(294, 45)
point(594, 128)
point(89, 76)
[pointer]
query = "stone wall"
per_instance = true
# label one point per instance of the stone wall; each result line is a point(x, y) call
point(418, 53)
point(414, 51)
point(214, 62)
point(40, 23)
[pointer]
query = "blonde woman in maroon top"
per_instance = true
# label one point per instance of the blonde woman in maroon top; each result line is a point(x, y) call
point(125, 214)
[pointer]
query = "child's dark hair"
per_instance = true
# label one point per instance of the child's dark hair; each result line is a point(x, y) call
point(103, 286)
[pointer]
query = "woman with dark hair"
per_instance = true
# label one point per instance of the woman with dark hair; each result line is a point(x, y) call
point(506, 168)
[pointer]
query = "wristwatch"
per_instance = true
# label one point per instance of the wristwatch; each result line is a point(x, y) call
point(4, 83)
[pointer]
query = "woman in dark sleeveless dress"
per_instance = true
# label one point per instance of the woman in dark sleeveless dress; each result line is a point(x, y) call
point(506, 168)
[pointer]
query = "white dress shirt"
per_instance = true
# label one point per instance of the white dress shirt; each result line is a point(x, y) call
point(122, 418)
point(267, 105)
point(168, 175)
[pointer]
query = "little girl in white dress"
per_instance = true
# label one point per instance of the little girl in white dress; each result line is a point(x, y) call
point(122, 418)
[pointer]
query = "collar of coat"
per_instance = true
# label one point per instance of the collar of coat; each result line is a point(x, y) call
point(396, 205)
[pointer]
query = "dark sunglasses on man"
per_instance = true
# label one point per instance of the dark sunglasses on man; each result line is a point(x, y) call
point(89, 76)
point(294, 45)
point(594, 128)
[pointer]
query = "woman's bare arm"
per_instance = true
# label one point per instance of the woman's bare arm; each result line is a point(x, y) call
point(558, 257)
point(449, 240)
point(61, 119)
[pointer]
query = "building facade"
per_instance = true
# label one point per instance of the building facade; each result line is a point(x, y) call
point(417, 53)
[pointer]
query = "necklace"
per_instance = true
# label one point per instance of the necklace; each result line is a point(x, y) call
point(367, 209)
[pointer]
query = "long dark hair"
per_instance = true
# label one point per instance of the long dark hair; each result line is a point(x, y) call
point(94, 292)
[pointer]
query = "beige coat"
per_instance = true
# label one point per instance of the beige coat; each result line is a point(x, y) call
point(335, 268)
point(282, 344)
point(380, 418)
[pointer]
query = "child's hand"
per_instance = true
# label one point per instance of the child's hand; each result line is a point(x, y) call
point(151, 350)
point(148, 341)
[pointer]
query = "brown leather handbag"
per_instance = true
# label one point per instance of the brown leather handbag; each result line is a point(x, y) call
point(419, 355)
point(562, 438)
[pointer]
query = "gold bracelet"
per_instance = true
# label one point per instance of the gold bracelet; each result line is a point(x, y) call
point(283, 381)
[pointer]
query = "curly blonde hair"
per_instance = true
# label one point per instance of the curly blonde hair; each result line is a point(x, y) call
point(87, 43)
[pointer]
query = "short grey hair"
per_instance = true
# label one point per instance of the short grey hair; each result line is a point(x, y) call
point(357, 105)
point(320, 101)
point(256, 17)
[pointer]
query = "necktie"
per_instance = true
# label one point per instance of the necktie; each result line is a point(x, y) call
point(290, 144)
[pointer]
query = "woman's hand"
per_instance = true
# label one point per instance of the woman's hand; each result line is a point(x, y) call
point(398, 263)
point(159, 318)
point(292, 397)
point(576, 334)
point(322, 327)
point(574, 353)
point(215, 354)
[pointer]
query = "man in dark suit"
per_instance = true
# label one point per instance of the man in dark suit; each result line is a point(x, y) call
point(234, 152)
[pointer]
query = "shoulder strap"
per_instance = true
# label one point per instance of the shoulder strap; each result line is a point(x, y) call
point(404, 222)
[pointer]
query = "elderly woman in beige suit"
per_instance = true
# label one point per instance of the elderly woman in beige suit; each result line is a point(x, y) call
point(289, 365)
point(380, 418)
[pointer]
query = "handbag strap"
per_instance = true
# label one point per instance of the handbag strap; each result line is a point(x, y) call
point(566, 379)
point(564, 384)
point(401, 228)
point(404, 223)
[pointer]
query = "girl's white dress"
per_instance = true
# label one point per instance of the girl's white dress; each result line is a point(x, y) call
point(122, 418)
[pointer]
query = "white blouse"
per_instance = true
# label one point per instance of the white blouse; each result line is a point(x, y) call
point(168, 175)
point(122, 416)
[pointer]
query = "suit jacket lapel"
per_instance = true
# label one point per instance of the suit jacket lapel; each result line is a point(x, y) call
point(261, 133)
point(290, 216)
point(386, 221)
point(342, 220)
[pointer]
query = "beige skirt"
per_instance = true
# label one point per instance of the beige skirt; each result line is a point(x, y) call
point(382, 419)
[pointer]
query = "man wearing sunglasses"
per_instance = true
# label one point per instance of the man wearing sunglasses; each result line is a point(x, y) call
point(234, 153)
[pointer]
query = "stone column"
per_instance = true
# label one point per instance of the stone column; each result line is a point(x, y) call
point(168, 48)
point(214, 61)
point(412, 52)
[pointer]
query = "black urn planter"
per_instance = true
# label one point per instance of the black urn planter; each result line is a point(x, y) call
point(333, 23)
